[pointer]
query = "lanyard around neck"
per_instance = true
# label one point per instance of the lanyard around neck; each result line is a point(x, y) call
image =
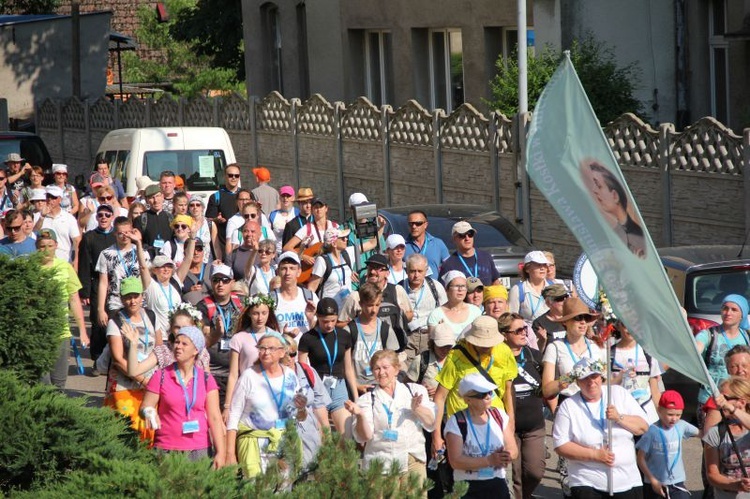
point(476, 265)
point(189, 404)
point(485, 450)
point(331, 360)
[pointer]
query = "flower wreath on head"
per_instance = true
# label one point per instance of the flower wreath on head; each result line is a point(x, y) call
point(261, 299)
point(585, 367)
point(193, 312)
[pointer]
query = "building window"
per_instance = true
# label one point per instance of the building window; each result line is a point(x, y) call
point(446, 69)
point(272, 40)
point(719, 54)
point(510, 42)
point(378, 67)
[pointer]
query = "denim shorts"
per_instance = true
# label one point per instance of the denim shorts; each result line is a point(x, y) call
point(339, 395)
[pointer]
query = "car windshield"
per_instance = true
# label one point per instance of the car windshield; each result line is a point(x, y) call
point(28, 148)
point(201, 169)
point(709, 289)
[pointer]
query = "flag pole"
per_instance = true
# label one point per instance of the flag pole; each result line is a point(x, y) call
point(610, 470)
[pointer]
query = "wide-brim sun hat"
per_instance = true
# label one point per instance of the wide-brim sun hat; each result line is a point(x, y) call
point(574, 307)
point(484, 332)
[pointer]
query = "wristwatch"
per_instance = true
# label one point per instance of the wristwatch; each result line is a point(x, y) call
point(622, 416)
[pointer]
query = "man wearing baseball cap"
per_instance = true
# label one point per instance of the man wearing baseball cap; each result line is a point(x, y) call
point(547, 327)
point(283, 215)
point(469, 260)
point(63, 223)
point(267, 196)
point(305, 197)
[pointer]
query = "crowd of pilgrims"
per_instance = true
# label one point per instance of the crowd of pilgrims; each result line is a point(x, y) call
point(221, 322)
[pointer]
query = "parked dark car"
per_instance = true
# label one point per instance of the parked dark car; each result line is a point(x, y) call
point(31, 147)
point(495, 234)
point(701, 277)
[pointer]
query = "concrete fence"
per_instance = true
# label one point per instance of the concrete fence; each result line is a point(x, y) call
point(690, 185)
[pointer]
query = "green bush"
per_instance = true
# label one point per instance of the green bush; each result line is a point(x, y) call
point(32, 315)
point(47, 435)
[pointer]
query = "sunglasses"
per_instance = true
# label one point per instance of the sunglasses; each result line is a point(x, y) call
point(106, 198)
point(14, 228)
point(250, 215)
point(480, 396)
point(728, 397)
point(103, 214)
point(233, 175)
point(292, 354)
point(582, 317)
point(266, 252)
point(181, 226)
point(50, 196)
point(561, 298)
point(465, 235)
point(3, 178)
point(417, 224)
point(199, 249)
point(196, 205)
point(520, 330)
point(222, 280)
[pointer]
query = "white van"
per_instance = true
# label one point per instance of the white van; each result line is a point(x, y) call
point(197, 154)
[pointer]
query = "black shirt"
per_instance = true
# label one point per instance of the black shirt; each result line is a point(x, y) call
point(93, 243)
point(527, 386)
point(292, 226)
point(555, 330)
point(311, 344)
point(222, 201)
point(157, 227)
point(219, 356)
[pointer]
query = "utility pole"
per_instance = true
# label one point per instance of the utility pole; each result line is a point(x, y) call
point(75, 42)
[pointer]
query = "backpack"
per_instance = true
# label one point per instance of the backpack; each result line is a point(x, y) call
point(712, 339)
point(424, 363)
point(430, 282)
point(462, 424)
point(211, 305)
point(308, 373)
point(522, 292)
point(329, 269)
point(384, 330)
point(613, 350)
point(150, 314)
point(144, 221)
point(391, 313)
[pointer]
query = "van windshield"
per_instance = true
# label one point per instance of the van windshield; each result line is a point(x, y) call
point(708, 289)
point(202, 169)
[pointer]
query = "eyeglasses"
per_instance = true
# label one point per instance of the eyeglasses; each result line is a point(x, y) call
point(581, 317)
point(195, 205)
point(458, 286)
point(418, 223)
point(103, 214)
point(15, 228)
point(181, 226)
point(480, 396)
point(266, 252)
point(105, 198)
point(520, 330)
point(729, 397)
point(250, 215)
point(61, 173)
point(269, 349)
point(233, 175)
point(465, 235)
point(244, 199)
point(377, 268)
point(292, 354)
point(199, 249)
point(561, 298)
point(221, 280)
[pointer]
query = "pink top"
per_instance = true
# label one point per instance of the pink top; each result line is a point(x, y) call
point(172, 410)
point(246, 345)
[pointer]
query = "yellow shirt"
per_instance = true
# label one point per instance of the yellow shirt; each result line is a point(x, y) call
point(500, 365)
point(68, 280)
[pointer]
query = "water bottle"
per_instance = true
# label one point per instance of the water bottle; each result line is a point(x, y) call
point(433, 464)
point(629, 382)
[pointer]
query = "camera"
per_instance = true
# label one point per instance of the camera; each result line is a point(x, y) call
point(366, 220)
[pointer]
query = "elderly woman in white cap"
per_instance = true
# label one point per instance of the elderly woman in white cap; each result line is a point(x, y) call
point(481, 350)
point(455, 312)
point(332, 273)
point(183, 401)
point(525, 297)
point(580, 435)
point(395, 249)
point(480, 441)
point(69, 201)
point(389, 418)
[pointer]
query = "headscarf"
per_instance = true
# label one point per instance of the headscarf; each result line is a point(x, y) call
point(741, 302)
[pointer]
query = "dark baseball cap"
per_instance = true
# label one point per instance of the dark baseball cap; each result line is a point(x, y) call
point(327, 306)
point(377, 260)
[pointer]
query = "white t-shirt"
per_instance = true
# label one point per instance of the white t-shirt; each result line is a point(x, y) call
point(315, 235)
point(472, 446)
point(254, 405)
point(640, 388)
point(66, 228)
point(234, 234)
point(396, 276)
point(533, 305)
point(559, 354)
point(260, 280)
point(365, 346)
point(339, 283)
point(204, 234)
point(179, 254)
point(458, 328)
point(291, 313)
point(584, 423)
point(423, 302)
point(162, 299)
point(280, 219)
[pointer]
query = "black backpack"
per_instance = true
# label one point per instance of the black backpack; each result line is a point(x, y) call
point(391, 313)
point(329, 268)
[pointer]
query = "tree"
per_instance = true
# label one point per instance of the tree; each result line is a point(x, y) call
point(29, 6)
point(610, 88)
point(32, 315)
point(179, 64)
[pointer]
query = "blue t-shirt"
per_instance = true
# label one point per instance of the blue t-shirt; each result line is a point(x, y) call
point(716, 367)
point(433, 249)
point(480, 265)
point(652, 444)
point(25, 247)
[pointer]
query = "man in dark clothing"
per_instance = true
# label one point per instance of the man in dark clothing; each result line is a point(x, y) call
point(304, 202)
point(222, 204)
point(547, 327)
point(469, 260)
point(92, 244)
point(155, 223)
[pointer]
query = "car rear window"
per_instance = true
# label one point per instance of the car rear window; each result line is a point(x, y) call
point(487, 235)
point(30, 148)
point(706, 290)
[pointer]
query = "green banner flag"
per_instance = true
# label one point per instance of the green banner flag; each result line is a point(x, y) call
point(571, 163)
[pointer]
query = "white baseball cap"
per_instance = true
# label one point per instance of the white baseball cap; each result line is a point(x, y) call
point(357, 198)
point(59, 167)
point(290, 255)
point(476, 383)
point(394, 241)
point(535, 257)
point(55, 191)
point(38, 195)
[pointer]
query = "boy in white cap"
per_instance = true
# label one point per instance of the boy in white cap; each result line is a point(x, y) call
point(63, 223)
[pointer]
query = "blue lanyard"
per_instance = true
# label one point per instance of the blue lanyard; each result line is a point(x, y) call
point(128, 270)
point(226, 319)
point(388, 412)
point(570, 350)
point(468, 271)
point(663, 435)
point(145, 328)
point(168, 296)
point(522, 361)
point(280, 399)
point(599, 422)
point(485, 450)
point(331, 360)
point(726, 340)
point(265, 279)
point(396, 281)
point(200, 276)
point(255, 338)
point(189, 404)
point(421, 294)
point(339, 270)
point(369, 350)
point(533, 308)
